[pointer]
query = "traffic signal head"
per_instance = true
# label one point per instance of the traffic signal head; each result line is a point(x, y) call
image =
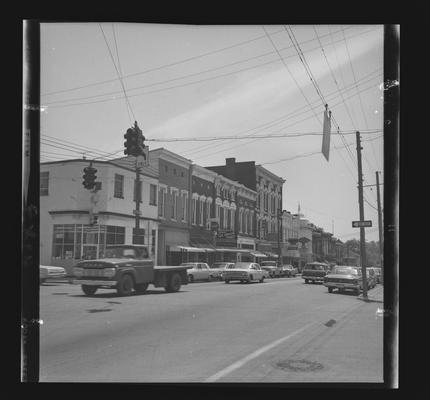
point(134, 144)
point(89, 177)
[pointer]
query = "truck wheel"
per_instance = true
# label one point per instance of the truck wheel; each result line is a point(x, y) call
point(262, 279)
point(141, 287)
point(250, 278)
point(330, 289)
point(174, 283)
point(89, 290)
point(306, 280)
point(125, 285)
point(190, 278)
point(227, 281)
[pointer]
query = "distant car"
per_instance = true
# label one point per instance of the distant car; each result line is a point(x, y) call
point(48, 272)
point(344, 278)
point(315, 272)
point(218, 268)
point(199, 272)
point(289, 270)
point(244, 272)
point(272, 267)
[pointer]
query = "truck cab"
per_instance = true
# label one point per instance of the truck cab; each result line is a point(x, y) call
point(127, 268)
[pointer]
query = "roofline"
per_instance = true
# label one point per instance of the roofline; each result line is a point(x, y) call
point(98, 162)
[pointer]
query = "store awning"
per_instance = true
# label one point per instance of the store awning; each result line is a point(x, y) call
point(191, 249)
point(232, 250)
point(257, 254)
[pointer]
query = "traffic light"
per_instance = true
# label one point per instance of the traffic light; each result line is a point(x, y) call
point(130, 144)
point(134, 144)
point(89, 177)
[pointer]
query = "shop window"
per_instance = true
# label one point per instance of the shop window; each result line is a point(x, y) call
point(115, 234)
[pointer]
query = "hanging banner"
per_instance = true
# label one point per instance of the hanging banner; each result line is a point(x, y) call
point(326, 134)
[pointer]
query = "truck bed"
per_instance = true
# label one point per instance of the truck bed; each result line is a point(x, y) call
point(171, 267)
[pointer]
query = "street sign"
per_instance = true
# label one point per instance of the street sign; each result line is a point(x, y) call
point(359, 224)
point(137, 212)
point(141, 161)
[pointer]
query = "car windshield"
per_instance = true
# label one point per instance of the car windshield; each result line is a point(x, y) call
point(124, 252)
point(315, 267)
point(219, 265)
point(269, 263)
point(242, 265)
point(346, 271)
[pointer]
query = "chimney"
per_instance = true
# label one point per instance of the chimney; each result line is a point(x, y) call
point(230, 161)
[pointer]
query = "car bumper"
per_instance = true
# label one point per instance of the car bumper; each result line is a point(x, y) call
point(91, 282)
point(341, 285)
point(314, 278)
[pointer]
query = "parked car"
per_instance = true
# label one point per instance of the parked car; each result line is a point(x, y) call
point(272, 267)
point(289, 270)
point(265, 273)
point(315, 272)
point(218, 268)
point(199, 272)
point(244, 272)
point(48, 272)
point(344, 278)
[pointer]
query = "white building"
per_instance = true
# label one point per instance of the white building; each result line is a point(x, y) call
point(68, 230)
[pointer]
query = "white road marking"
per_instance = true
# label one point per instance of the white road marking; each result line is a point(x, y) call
point(255, 354)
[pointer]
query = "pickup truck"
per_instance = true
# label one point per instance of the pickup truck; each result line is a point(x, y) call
point(127, 267)
point(315, 272)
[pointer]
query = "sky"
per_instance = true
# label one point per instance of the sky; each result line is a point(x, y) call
point(197, 81)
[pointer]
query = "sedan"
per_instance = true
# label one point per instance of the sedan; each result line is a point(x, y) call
point(244, 272)
point(344, 278)
point(50, 272)
point(199, 272)
point(289, 270)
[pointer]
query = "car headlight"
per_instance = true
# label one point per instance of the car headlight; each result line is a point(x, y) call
point(78, 271)
point(109, 272)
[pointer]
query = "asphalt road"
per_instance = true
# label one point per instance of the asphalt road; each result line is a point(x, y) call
point(279, 331)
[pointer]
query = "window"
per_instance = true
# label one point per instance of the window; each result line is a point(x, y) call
point(226, 212)
point(165, 168)
point(44, 183)
point(138, 236)
point(194, 211)
point(162, 203)
point(119, 186)
point(137, 190)
point(173, 209)
point(184, 206)
point(174, 171)
point(64, 242)
point(232, 225)
point(202, 204)
point(115, 234)
point(221, 218)
point(152, 195)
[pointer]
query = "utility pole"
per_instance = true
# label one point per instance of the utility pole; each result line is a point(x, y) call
point(361, 207)
point(381, 245)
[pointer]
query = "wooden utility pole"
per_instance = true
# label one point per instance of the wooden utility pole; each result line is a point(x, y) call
point(361, 207)
point(279, 237)
point(381, 245)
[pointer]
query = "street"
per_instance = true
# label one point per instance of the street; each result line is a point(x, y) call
point(281, 330)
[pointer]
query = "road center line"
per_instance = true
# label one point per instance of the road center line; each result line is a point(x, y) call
point(253, 355)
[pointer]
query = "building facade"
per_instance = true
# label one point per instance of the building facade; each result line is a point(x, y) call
point(174, 177)
point(76, 223)
point(268, 205)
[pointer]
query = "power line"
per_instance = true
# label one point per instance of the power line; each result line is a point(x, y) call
point(251, 141)
point(180, 62)
point(280, 119)
point(119, 75)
